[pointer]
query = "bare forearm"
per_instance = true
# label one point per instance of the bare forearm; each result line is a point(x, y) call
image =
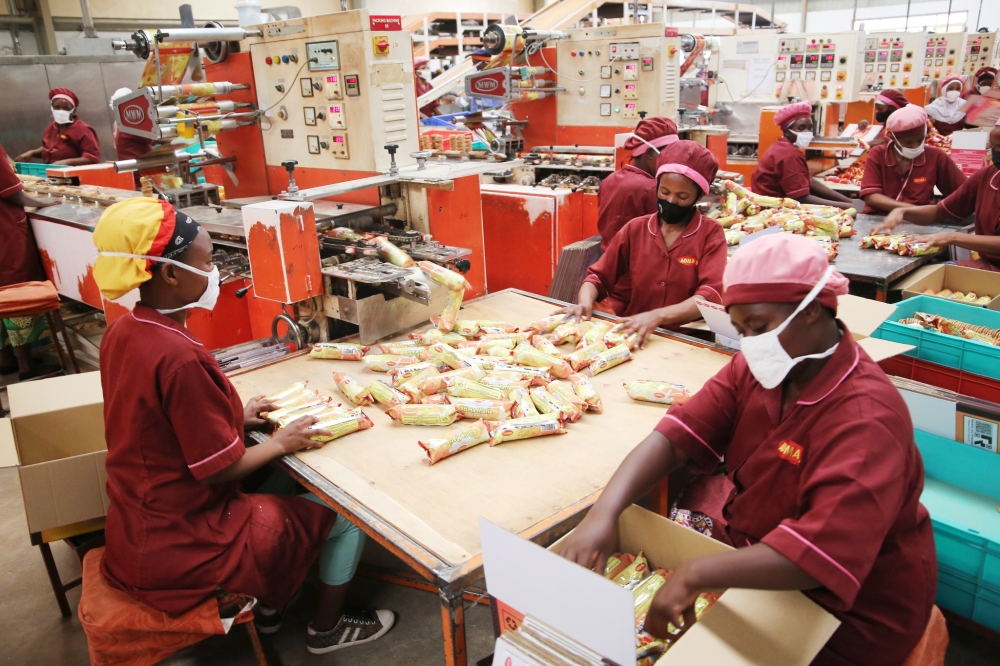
point(680, 313)
point(253, 459)
point(758, 567)
point(819, 189)
point(653, 459)
point(884, 204)
point(75, 161)
point(588, 294)
point(925, 215)
point(23, 200)
point(976, 243)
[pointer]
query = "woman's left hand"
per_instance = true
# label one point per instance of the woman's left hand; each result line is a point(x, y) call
point(672, 604)
point(941, 240)
point(643, 324)
point(251, 413)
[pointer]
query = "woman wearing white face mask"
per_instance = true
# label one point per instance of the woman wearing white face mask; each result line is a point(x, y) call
point(818, 447)
point(946, 112)
point(178, 527)
point(985, 78)
point(905, 171)
point(782, 171)
point(67, 140)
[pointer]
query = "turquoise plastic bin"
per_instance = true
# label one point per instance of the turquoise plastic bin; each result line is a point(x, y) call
point(952, 351)
point(32, 169)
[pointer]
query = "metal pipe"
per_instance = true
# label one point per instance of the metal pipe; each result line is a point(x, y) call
point(222, 106)
point(197, 89)
point(854, 16)
point(88, 21)
point(906, 26)
point(947, 24)
point(805, 11)
point(146, 163)
point(191, 119)
point(15, 39)
point(205, 34)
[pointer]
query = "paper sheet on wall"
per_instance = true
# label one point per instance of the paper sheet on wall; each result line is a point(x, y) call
point(759, 68)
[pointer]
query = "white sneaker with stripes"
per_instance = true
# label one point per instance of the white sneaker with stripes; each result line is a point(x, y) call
point(352, 629)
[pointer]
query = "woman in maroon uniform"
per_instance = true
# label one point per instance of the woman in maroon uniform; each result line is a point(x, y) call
point(67, 140)
point(946, 112)
point(818, 445)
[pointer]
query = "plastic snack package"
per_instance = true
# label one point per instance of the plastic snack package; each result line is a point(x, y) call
point(345, 425)
point(424, 415)
point(350, 387)
point(387, 395)
point(487, 362)
point(585, 389)
point(460, 387)
point(277, 415)
point(617, 563)
point(564, 391)
point(394, 349)
point(460, 440)
point(581, 358)
point(386, 362)
point(479, 408)
point(436, 399)
point(616, 336)
point(523, 406)
point(292, 398)
point(664, 393)
point(402, 343)
point(337, 351)
point(568, 332)
point(387, 251)
point(404, 373)
point(633, 574)
point(526, 428)
point(437, 384)
point(450, 279)
point(449, 315)
point(496, 337)
point(543, 345)
point(545, 324)
point(344, 233)
point(505, 344)
point(323, 411)
point(609, 359)
point(414, 387)
point(537, 376)
point(646, 590)
point(466, 327)
point(505, 381)
point(433, 335)
point(525, 354)
point(546, 403)
point(595, 334)
point(493, 327)
point(286, 392)
point(455, 359)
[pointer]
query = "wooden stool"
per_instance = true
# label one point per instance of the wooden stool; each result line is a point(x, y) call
point(36, 299)
point(121, 630)
point(931, 648)
point(81, 537)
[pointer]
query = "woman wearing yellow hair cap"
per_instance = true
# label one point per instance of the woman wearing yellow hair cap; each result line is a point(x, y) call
point(178, 526)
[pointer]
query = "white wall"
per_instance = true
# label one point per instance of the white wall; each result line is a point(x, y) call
point(835, 15)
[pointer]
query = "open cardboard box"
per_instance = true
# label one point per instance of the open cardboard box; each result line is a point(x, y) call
point(861, 315)
point(956, 278)
point(743, 628)
point(58, 426)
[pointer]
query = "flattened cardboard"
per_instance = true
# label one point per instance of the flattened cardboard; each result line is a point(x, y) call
point(8, 452)
point(63, 492)
point(955, 278)
point(743, 628)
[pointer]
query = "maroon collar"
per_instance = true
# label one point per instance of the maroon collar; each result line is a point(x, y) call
point(147, 315)
point(637, 170)
point(837, 369)
point(891, 158)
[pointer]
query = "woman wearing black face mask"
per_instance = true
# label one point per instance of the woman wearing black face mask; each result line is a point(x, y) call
point(887, 102)
point(980, 195)
point(671, 256)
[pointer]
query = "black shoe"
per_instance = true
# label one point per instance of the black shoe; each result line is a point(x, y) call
point(267, 620)
point(352, 629)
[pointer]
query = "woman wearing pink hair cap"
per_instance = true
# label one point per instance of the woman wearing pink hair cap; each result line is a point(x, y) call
point(946, 112)
point(904, 171)
point(818, 447)
point(782, 170)
point(980, 195)
point(657, 264)
point(67, 140)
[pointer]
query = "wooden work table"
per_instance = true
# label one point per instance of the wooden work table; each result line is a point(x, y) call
point(539, 488)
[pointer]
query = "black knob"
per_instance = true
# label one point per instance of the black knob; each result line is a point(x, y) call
point(392, 148)
point(463, 265)
point(642, 115)
point(289, 165)
point(240, 293)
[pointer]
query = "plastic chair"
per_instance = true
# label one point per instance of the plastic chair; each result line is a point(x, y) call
point(121, 630)
point(932, 646)
point(30, 299)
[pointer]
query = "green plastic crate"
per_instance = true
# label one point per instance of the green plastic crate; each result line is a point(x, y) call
point(952, 351)
point(32, 169)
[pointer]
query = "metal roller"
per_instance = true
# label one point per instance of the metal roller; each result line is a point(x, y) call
point(205, 34)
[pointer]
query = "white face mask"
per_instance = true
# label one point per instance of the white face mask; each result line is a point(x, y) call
point(768, 361)
point(802, 139)
point(61, 117)
point(208, 297)
point(983, 89)
point(952, 95)
point(908, 153)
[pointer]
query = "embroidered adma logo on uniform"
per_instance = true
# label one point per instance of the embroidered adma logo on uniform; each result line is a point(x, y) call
point(920, 180)
point(689, 260)
point(790, 451)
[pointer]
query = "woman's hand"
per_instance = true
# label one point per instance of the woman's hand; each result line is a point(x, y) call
point(25, 156)
point(891, 221)
point(673, 604)
point(862, 125)
point(941, 240)
point(251, 413)
point(643, 324)
point(591, 543)
point(579, 312)
point(296, 436)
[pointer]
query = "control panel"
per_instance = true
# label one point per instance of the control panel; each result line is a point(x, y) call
point(893, 60)
point(335, 92)
point(943, 53)
point(612, 73)
point(980, 51)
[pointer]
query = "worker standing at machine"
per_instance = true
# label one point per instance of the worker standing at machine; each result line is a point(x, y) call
point(178, 527)
point(905, 171)
point(19, 262)
point(422, 83)
point(980, 195)
point(945, 111)
point(669, 257)
point(783, 171)
point(67, 140)
point(128, 146)
point(819, 447)
point(630, 192)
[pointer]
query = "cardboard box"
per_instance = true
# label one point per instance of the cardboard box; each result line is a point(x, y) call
point(744, 627)
point(58, 428)
point(969, 148)
point(956, 278)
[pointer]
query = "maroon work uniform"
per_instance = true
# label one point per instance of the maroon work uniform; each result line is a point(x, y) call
point(172, 419)
point(932, 167)
point(782, 172)
point(979, 195)
point(130, 146)
point(626, 194)
point(660, 277)
point(945, 129)
point(19, 260)
point(77, 140)
point(834, 485)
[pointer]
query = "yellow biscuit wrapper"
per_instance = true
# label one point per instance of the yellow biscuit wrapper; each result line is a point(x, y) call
point(286, 392)
point(566, 333)
point(460, 387)
point(437, 384)
point(633, 574)
point(585, 389)
point(350, 387)
point(644, 593)
point(323, 411)
point(414, 387)
point(525, 354)
point(664, 393)
point(424, 415)
point(506, 344)
point(489, 326)
point(543, 345)
point(595, 334)
point(460, 440)
point(344, 425)
point(452, 304)
point(564, 390)
point(337, 351)
point(386, 362)
point(294, 398)
point(496, 337)
point(526, 428)
point(537, 376)
point(466, 327)
point(523, 406)
point(609, 359)
point(397, 349)
point(581, 358)
point(545, 324)
point(436, 399)
point(278, 415)
point(405, 373)
point(455, 359)
point(387, 395)
point(616, 336)
point(548, 402)
point(432, 335)
point(505, 381)
point(450, 279)
point(387, 251)
point(478, 408)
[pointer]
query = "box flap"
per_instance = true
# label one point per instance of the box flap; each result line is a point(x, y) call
point(8, 453)
point(54, 394)
point(63, 492)
point(862, 315)
point(879, 349)
point(717, 318)
point(918, 276)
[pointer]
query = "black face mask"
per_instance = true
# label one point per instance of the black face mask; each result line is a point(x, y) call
point(671, 213)
point(882, 116)
point(995, 156)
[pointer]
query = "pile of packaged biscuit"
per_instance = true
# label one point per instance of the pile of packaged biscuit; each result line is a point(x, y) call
point(297, 401)
point(896, 243)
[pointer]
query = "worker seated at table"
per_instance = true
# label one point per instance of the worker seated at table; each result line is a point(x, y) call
point(818, 447)
point(946, 112)
point(128, 146)
point(668, 258)
point(631, 191)
point(178, 526)
point(783, 172)
point(887, 103)
point(67, 140)
point(979, 194)
point(905, 171)
point(984, 77)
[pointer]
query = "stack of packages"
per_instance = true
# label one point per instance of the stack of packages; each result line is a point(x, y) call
point(634, 573)
point(745, 213)
point(850, 175)
point(297, 401)
point(970, 297)
point(984, 334)
point(895, 243)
